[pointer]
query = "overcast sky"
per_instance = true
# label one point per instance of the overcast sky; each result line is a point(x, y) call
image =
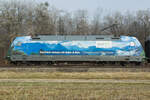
point(91, 5)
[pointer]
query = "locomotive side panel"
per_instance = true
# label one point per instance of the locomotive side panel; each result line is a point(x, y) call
point(123, 49)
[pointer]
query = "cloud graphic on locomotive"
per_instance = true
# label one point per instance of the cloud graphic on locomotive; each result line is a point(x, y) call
point(126, 46)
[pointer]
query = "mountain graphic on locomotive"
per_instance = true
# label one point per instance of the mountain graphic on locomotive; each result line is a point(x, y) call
point(99, 48)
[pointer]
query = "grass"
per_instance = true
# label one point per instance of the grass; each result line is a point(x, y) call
point(75, 75)
point(74, 91)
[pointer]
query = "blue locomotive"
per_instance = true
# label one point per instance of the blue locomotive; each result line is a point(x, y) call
point(99, 48)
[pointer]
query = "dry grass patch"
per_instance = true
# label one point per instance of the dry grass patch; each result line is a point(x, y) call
point(73, 91)
point(75, 75)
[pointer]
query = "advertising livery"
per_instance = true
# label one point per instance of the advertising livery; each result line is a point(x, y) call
point(125, 46)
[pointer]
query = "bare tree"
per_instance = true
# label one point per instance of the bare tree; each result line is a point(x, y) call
point(96, 23)
point(81, 22)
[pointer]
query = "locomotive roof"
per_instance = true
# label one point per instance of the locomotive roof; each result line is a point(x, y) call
point(75, 37)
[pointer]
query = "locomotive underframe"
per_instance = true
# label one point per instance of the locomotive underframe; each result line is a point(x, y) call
point(76, 58)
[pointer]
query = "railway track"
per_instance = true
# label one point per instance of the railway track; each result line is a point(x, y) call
point(77, 68)
point(77, 65)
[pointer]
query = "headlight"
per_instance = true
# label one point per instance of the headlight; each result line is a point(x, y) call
point(132, 44)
